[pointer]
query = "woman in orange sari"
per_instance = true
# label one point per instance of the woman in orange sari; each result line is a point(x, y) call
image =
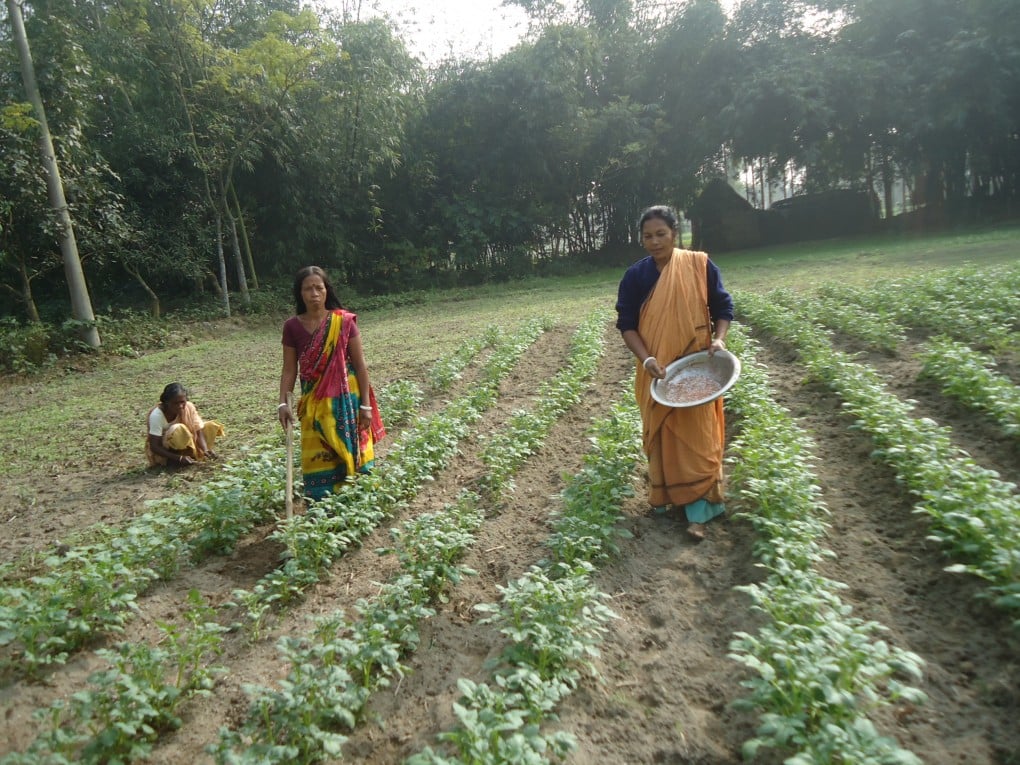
point(177, 435)
point(671, 304)
point(339, 417)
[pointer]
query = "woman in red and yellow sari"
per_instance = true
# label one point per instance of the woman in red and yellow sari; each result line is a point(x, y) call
point(339, 417)
point(669, 303)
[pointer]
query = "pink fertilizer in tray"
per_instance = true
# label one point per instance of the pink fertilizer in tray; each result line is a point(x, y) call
point(696, 379)
point(690, 386)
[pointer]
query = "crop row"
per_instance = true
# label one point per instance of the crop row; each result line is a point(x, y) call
point(145, 721)
point(334, 670)
point(970, 378)
point(879, 331)
point(974, 514)
point(134, 700)
point(338, 522)
point(402, 398)
point(92, 589)
point(964, 373)
point(969, 304)
point(553, 618)
point(507, 450)
point(820, 670)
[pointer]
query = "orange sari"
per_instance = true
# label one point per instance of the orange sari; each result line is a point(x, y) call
point(684, 445)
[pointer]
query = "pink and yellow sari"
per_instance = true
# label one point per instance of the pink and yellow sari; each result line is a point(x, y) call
point(332, 448)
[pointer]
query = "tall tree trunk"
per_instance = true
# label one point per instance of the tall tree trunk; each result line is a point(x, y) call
point(242, 279)
point(154, 306)
point(31, 310)
point(887, 185)
point(761, 181)
point(244, 238)
point(223, 264)
point(81, 304)
point(235, 248)
point(207, 187)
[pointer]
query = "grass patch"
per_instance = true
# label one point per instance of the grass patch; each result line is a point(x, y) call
point(57, 420)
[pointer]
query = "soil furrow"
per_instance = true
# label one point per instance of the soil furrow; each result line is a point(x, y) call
point(895, 576)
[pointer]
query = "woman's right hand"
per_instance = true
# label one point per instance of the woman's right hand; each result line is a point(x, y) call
point(651, 366)
point(285, 415)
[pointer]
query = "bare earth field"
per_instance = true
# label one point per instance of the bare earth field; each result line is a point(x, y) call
point(667, 683)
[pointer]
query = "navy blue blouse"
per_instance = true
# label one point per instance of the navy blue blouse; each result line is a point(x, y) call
point(637, 284)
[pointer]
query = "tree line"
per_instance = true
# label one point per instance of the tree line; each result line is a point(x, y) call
point(210, 145)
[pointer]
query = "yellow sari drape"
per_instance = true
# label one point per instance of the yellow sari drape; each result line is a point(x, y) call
point(684, 445)
point(333, 448)
point(181, 435)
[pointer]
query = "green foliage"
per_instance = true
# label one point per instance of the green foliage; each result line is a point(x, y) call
point(553, 616)
point(975, 305)
point(131, 703)
point(501, 724)
point(448, 369)
point(585, 529)
point(969, 377)
point(553, 619)
point(125, 332)
point(399, 400)
point(91, 589)
point(975, 514)
point(337, 666)
point(24, 348)
point(325, 140)
point(506, 450)
point(819, 670)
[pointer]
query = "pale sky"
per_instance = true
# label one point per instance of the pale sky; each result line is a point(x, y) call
point(433, 29)
point(437, 29)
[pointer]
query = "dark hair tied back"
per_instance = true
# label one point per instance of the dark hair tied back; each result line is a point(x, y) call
point(332, 301)
point(173, 390)
point(664, 213)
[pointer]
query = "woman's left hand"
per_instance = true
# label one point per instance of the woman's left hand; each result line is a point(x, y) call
point(718, 344)
point(364, 417)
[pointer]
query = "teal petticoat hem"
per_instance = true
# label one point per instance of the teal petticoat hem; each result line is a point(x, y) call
point(703, 511)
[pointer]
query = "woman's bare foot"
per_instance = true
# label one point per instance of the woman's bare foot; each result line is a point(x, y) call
point(696, 531)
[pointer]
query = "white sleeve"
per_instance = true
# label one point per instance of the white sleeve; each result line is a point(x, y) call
point(157, 422)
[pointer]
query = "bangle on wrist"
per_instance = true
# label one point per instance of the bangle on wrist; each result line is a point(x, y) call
point(281, 406)
point(645, 362)
point(365, 408)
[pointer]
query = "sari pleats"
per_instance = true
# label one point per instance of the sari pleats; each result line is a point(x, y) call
point(332, 448)
point(684, 445)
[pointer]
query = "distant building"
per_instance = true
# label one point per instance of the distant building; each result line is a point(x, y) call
point(721, 219)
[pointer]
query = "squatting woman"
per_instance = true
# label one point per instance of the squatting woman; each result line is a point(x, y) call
point(176, 434)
